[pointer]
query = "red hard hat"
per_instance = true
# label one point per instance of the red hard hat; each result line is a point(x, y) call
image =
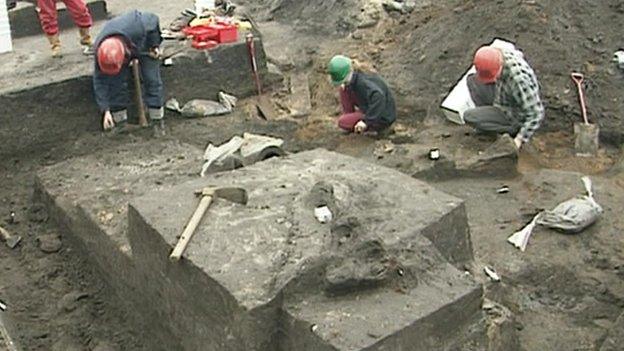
point(111, 55)
point(489, 63)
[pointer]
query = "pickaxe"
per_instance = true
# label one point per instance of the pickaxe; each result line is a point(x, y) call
point(237, 195)
point(10, 240)
point(138, 92)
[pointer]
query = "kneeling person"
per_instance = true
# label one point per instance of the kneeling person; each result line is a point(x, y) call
point(506, 92)
point(133, 35)
point(367, 102)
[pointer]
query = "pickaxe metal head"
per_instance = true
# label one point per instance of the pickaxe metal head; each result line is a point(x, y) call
point(238, 195)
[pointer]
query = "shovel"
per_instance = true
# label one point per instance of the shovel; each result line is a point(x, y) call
point(262, 102)
point(10, 240)
point(586, 134)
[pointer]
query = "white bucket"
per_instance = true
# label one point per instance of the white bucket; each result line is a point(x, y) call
point(5, 29)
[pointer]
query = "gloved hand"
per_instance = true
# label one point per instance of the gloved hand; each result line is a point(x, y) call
point(360, 127)
point(107, 121)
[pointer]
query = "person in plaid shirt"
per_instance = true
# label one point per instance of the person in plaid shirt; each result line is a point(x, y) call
point(506, 93)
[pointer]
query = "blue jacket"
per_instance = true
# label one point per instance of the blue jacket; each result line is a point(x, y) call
point(141, 31)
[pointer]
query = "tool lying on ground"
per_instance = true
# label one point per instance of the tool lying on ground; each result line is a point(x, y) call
point(586, 142)
point(138, 93)
point(11, 240)
point(237, 195)
point(262, 102)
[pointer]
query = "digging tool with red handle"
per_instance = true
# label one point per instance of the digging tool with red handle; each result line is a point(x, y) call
point(586, 134)
point(263, 104)
point(578, 79)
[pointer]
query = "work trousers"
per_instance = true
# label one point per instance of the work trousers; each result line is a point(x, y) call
point(485, 117)
point(351, 116)
point(152, 85)
point(48, 15)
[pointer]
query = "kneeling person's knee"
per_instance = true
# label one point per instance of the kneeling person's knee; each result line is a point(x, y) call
point(471, 116)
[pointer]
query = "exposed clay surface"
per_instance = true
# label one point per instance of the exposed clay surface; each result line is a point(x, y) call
point(228, 290)
point(561, 283)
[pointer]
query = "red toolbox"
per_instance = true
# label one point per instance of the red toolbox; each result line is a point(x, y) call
point(227, 33)
point(201, 33)
point(204, 45)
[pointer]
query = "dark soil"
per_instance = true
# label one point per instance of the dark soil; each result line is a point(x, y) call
point(565, 291)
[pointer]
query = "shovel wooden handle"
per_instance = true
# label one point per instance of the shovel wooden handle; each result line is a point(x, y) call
point(578, 79)
point(4, 234)
point(254, 64)
point(189, 230)
point(138, 93)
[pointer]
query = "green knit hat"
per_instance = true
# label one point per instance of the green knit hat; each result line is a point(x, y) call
point(339, 68)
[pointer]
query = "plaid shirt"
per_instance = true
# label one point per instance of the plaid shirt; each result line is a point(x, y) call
point(517, 93)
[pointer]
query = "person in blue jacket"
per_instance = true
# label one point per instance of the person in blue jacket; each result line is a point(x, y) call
point(132, 35)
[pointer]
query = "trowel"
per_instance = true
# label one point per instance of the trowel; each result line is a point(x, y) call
point(586, 134)
point(262, 102)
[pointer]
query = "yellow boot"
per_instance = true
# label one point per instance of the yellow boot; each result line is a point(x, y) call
point(55, 45)
point(86, 41)
point(85, 37)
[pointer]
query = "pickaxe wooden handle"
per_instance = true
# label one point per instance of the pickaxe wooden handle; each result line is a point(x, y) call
point(138, 93)
point(237, 195)
point(189, 230)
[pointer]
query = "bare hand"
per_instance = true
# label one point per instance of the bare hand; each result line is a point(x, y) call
point(107, 121)
point(360, 127)
point(518, 142)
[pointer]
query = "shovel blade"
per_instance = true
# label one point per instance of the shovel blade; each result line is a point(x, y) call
point(264, 107)
point(586, 139)
point(13, 241)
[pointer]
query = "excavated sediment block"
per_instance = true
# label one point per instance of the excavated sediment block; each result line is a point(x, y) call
point(87, 197)
point(381, 275)
point(245, 262)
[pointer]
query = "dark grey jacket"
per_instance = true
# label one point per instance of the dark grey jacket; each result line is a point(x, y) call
point(375, 99)
point(141, 31)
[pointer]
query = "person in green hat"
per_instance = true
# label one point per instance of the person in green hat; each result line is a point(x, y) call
point(367, 102)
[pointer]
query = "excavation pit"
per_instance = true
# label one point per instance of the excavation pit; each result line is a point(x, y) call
point(383, 274)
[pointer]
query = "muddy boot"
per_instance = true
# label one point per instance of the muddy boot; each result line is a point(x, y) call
point(157, 121)
point(121, 122)
point(121, 128)
point(86, 41)
point(158, 127)
point(55, 45)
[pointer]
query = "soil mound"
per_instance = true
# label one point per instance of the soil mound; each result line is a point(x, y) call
point(335, 17)
point(431, 48)
point(423, 53)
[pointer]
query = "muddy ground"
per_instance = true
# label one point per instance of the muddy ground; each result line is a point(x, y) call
point(565, 292)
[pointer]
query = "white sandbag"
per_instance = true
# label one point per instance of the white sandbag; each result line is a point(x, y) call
point(204, 108)
point(520, 239)
point(574, 215)
point(249, 149)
